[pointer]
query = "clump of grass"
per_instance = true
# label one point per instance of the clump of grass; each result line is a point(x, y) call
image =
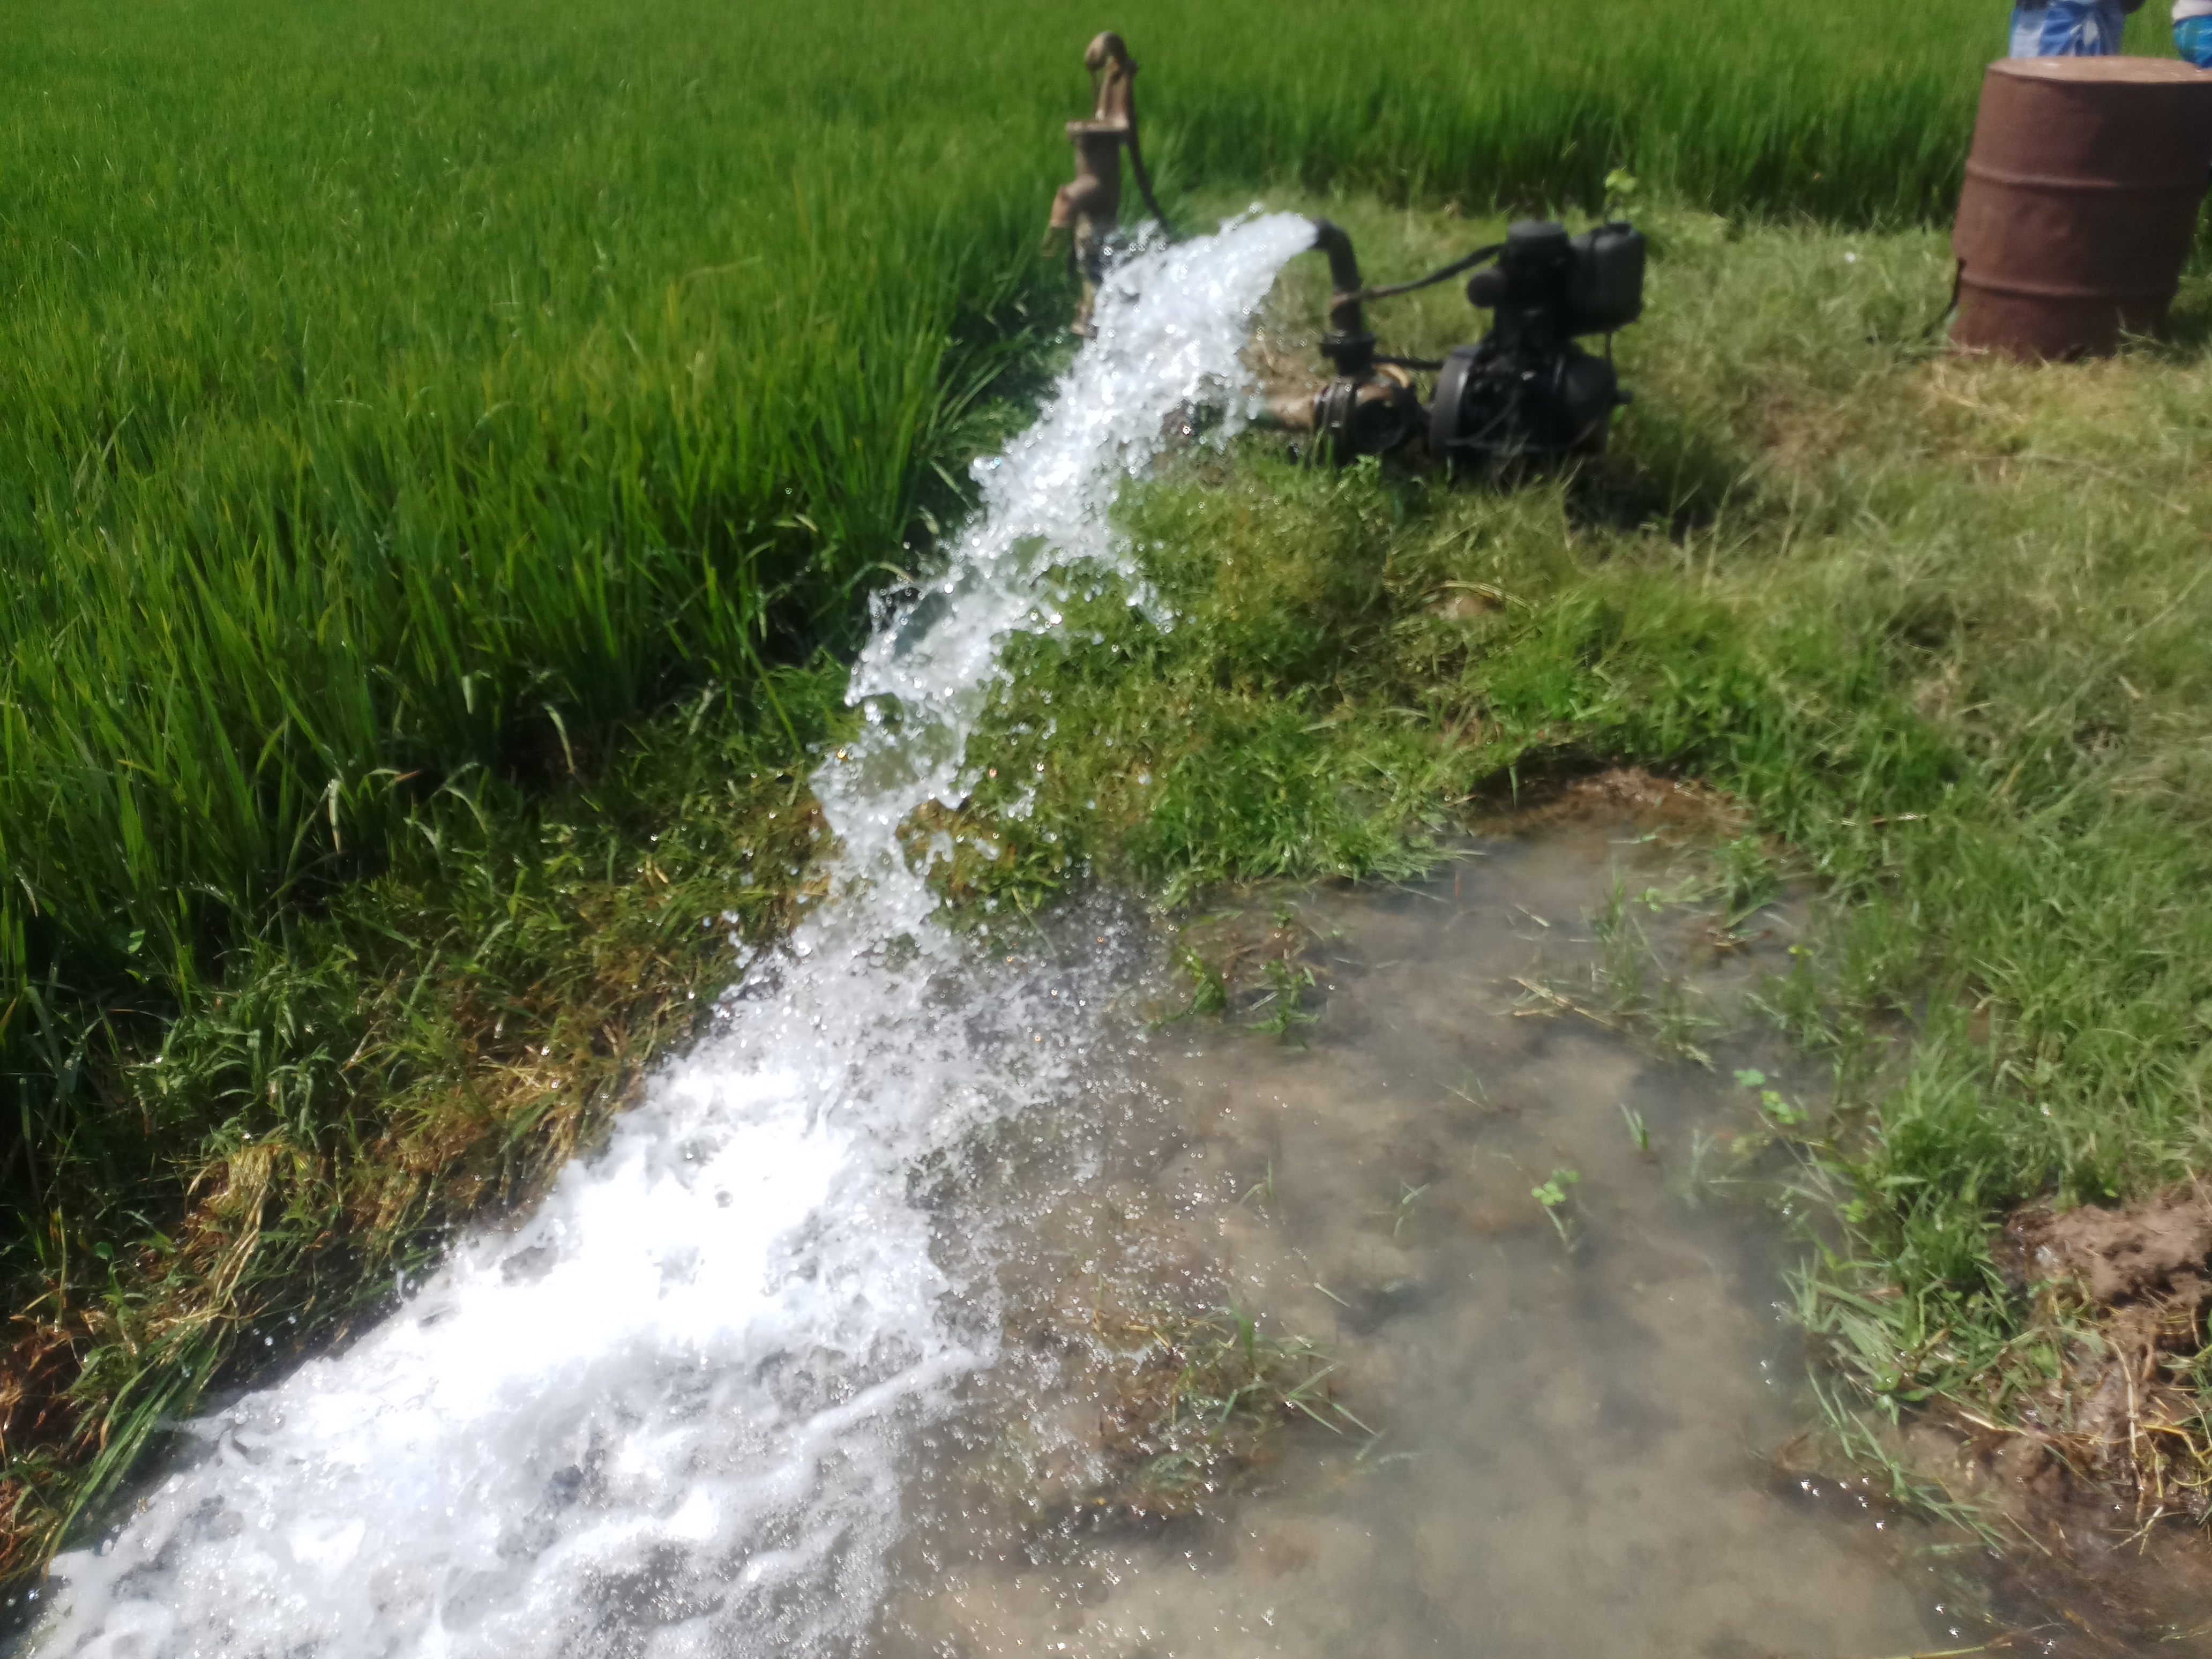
point(1198, 1402)
point(1265, 973)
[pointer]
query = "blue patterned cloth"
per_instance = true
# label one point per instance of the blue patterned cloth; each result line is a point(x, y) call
point(2066, 28)
point(2192, 39)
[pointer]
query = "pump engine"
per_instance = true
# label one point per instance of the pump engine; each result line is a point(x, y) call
point(1526, 390)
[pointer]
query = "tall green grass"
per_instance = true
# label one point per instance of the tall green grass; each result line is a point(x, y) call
point(390, 398)
point(395, 395)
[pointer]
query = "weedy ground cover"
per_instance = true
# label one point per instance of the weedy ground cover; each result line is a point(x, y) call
point(1197, 1402)
point(442, 451)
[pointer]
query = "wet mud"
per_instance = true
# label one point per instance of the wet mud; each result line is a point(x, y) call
point(1555, 1404)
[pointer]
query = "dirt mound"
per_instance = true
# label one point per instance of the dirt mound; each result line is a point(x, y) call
point(2124, 1293)
point(2158, 1254)
point(1674, 803)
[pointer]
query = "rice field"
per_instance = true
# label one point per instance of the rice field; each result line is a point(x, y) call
point(397, 393)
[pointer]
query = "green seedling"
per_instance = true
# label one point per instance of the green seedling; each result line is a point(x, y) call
point(1209, 986)
point(1552, 1195)
point(1402, 1211)
point(1787, 1112)
point(1776, 1105)
point(1638, 1131)
point(1287, 988)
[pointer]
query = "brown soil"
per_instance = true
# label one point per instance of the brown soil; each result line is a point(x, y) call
point(2128, 1288)
point(2097, 1466)
point(2155, 1257)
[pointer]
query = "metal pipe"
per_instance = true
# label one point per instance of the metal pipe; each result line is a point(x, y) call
point(1345, 317)
point(1359, 412)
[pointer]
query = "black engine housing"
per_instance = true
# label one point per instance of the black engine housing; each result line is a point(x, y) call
point(1526, 389)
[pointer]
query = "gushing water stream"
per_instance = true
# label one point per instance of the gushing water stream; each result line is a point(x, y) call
point(664, 1417)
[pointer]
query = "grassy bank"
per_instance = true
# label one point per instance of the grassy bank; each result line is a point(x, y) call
point(442, 452)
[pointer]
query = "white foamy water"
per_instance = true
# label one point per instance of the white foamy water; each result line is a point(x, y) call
point(665, 1417)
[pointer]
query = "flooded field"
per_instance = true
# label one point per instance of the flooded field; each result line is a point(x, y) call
point(1559, 1420)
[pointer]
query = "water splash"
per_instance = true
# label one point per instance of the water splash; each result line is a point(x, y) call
point(663, 1418)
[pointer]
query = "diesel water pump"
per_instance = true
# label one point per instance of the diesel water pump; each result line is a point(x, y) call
point(1527, 390)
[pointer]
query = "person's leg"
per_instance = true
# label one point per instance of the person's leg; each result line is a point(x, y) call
point(2192, 39)
point(2107, 29)
point(2066, 28)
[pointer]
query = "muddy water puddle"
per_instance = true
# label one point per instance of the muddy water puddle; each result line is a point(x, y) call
point(1531, 1427)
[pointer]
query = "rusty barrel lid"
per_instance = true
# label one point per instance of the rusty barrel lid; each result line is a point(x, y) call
point(2080, 200)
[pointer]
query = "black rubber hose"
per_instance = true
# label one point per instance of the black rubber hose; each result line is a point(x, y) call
point(1435, 276)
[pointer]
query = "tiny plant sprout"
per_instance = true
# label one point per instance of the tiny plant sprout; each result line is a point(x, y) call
point(1552, 1195)
point(1772, 1102)
point(1408, 1197)
point(1638, 1131)
point(1263, 1190)
point(1789, 1115)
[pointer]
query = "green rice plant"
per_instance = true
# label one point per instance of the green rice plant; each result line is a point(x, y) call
point(471, 387)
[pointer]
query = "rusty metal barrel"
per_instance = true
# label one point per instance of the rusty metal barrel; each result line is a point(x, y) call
point(2080, 202)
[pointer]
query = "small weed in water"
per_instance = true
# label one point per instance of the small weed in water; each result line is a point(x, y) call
point(1749, 881)
point(1776, 1106)
point(1670, 1015)
point(1553, 1196)
point(1262, 1190)
point(1638, 1131)
point(1209, 986)
point(1409, 1199)
point(1284, 998)
point(1232, 966)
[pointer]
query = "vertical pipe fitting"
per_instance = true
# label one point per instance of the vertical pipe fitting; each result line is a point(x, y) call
point(1347, 344)
point(1360, 412)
